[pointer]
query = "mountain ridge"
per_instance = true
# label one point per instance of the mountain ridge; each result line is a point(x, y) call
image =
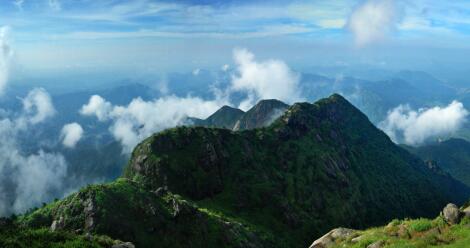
point(278, 186)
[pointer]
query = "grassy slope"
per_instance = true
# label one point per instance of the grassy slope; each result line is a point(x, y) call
point(417, 233)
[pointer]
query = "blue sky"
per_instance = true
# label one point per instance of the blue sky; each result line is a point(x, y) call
point(180, 35)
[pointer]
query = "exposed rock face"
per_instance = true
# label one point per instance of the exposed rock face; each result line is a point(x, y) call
point(452, 213)
point(331, 237)
point(124, 245)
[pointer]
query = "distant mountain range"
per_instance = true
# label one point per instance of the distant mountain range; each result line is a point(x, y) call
point(316, 167)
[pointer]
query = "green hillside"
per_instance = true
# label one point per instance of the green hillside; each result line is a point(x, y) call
point(452, 155)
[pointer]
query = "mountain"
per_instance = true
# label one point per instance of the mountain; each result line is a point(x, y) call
point(316, 167)
point(452, 155)
point(428, 85)
point(260, 115)
point(449, 229)
point(225, 117)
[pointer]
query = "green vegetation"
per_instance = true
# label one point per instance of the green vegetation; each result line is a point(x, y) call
point(452, 155)
point(14, 236)
point(419, 233)
point(124, 210)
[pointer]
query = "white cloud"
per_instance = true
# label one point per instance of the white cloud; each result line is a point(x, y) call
point(38, 105)
point(97, 106)
point(373, 20)
point(225, 67)
point(140, 119)
point(71, 133)
point(27, 180)
point(415, 127)
point(263, 80)
point(196, 71)
point(5, 57)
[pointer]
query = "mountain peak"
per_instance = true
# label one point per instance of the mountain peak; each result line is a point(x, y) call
point(225, 117)
point(261, 115)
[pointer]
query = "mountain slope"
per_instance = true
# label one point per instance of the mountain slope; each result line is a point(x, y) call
point(126, 211)
point(260, 115)
point(452, 155)
point(225, 117)
point(312, 169)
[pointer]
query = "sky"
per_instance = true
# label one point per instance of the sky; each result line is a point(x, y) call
point(162, 36)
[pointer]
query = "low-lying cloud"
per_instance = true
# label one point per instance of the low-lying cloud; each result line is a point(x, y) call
point(138, 120)
point(372, 21)
point(5, 57)
point(270, 79)
point(415, 127)
point(70, 134)
point(38, 105)
point(27, 180)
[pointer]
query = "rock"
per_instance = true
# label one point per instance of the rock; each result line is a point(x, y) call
point(451, 214)
point(377, 244)
point(403, 232)
point(124, 245)
point(466, 212)
point(357, 239)
point(329, 239)
point(57, 224)
point(161, 191)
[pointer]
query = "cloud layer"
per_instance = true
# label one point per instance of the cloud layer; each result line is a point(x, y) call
point(140, 119)
point(27, 180)
point(372, 21)
point(70, 134)
point(5, 56)
point(415, 127)
point(263, 79)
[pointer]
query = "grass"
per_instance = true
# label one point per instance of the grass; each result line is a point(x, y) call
point(418, 233)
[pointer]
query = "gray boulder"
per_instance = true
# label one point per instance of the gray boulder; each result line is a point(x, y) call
point(378, 244)
point(466, 212)
point(336, 234)
point(451, 214)
point(124, 245)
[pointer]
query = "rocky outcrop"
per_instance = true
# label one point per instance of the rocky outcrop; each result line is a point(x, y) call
point(329, 239)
